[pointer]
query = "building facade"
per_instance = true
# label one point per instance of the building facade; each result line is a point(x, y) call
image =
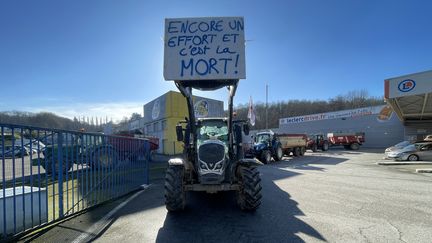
point(410, 96)
point(380, 124)
point(162, 114)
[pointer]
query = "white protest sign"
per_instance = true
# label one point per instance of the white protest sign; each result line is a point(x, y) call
point(211, 48)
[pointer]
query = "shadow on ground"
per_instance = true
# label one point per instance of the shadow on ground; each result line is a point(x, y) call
point(307, 162)
point(216, 218)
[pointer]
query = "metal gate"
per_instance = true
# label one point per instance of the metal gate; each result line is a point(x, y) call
point(48, 174)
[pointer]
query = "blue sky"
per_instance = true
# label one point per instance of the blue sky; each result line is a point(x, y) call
point(105, 58)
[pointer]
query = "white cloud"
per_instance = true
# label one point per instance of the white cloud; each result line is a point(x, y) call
point(116, 111)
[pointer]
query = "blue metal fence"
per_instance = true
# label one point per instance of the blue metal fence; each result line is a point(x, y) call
point(48, 174)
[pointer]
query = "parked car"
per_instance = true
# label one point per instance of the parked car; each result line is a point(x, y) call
point(14, 151)
point(395, 147)
point(36, 146)
point(413, 152)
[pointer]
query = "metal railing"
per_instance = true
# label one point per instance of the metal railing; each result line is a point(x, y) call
point(48, 174)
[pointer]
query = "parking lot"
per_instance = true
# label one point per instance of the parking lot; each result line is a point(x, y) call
point(334, 196)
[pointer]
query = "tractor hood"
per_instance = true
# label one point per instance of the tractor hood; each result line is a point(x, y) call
point(212, 157)
point(260, 146)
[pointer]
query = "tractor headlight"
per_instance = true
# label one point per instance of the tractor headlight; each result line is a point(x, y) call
point(203, 166)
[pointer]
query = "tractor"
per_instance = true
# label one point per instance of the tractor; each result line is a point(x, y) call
point(213, 158)
point(317, 141)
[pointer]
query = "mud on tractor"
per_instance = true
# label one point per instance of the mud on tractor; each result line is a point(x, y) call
point(213, 159)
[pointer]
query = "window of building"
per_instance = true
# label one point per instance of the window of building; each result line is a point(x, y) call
point(148, 128)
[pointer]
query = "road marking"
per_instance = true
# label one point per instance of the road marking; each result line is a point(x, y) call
point(103, 222)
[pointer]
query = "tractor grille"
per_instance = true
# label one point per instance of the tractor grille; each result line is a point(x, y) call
point(211, 153)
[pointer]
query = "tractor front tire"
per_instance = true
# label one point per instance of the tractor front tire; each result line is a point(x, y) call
point(249, 195)
point(265, 157)
point(174, 193)
point(51, 168)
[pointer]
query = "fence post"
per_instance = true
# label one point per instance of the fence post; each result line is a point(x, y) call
point(60, 173)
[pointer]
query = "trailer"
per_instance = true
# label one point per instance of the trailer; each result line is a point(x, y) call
point(351, 141)
point(293, 143)
point(153, 141)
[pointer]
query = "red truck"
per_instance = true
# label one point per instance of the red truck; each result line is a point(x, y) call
point(348, 140)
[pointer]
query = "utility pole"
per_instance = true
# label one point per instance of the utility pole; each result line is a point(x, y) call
point(266, 108)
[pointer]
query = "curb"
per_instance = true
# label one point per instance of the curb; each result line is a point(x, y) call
point(424, 170)
point(404, 163)
point(101, 224)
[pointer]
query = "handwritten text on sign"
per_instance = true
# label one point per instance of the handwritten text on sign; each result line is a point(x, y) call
point(204, 48)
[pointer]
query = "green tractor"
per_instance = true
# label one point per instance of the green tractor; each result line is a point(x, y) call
point(213, 158)
point(67, 149)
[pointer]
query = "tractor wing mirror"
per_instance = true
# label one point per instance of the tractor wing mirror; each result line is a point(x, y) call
point(179, 132)
point(246, 129)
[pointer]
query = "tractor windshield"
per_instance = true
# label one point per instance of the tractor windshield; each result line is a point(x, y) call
point(212, 129)
point(262, 138)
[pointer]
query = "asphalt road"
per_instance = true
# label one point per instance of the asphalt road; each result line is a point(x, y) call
point(337, 196)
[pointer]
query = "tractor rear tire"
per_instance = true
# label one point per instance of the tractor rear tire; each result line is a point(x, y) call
point(249, 196)
point(278, 153)
point(104, 158)
point(325, 146)
point(174, 193)
point(265, 157)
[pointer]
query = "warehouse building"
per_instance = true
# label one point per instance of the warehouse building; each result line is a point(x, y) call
point(381, 126)
point(162, 114)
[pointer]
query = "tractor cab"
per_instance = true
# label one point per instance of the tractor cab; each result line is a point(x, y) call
point(265, 138)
